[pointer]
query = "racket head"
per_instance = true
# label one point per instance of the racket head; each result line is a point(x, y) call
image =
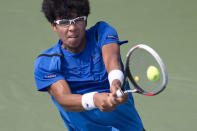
point(139, 58)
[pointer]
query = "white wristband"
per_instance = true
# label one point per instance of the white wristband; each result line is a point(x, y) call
point(115, 74)
point(88, 101)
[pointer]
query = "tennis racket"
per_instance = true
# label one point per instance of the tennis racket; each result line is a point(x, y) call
point(139, 60)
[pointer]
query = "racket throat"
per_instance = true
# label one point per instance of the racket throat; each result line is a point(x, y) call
point(131, 91)
point(121, 93)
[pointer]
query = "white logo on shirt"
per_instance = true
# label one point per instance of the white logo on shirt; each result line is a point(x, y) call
point(50, 76)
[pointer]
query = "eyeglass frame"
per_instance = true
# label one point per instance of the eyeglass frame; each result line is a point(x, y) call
point(70, 20)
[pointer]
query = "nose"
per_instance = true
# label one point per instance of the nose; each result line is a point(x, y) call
point(72, 22)
point(72, 27)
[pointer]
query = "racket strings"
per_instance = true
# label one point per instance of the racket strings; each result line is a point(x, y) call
point(139, 62)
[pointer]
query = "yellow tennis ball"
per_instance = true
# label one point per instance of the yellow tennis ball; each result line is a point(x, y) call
point(153, 73)
point(137, 78)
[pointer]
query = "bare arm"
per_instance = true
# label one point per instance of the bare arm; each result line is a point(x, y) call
point(60, 90)
point(111, 57)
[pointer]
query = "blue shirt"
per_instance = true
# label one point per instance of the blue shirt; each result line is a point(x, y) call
point(85, 72)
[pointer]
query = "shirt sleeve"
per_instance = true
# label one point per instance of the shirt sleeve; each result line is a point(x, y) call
point(47, 70)
point(106, 34)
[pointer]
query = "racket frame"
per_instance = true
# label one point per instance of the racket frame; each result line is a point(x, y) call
point(128, 75)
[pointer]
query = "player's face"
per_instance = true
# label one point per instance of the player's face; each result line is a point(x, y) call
point(72, 33)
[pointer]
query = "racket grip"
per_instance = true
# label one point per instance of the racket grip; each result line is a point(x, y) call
point(119, 93)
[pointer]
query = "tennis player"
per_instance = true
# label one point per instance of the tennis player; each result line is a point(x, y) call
point(83, 71)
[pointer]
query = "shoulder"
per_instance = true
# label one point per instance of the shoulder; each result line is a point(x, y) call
point(103, 24)
point(102, 30)
point(106, 31)
point(106, 34)
point(48, 59)
point(100, 26)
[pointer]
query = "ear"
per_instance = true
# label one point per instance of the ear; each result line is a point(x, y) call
point(54, 28)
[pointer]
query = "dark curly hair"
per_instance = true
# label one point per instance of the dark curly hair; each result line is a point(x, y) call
point(64, 8)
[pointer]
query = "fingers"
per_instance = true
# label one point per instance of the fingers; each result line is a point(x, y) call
point(105, 101)
point(116, 85)
point(123, 99)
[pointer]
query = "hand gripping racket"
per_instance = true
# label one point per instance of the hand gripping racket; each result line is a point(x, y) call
point(145, 70)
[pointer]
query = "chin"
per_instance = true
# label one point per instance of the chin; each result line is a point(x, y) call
point(74, 46)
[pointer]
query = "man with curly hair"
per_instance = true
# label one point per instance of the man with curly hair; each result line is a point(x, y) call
point(83, 71)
